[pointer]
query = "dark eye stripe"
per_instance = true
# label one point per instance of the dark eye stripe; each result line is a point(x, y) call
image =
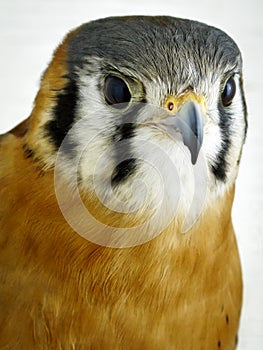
point(220, 166)
point(124, 158)
point(64, 114)
point(123, 171)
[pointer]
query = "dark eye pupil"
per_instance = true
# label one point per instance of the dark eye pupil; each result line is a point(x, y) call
point(116, 91)
point(229, 92)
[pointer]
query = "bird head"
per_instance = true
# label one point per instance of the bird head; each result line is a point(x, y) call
point(143, 112)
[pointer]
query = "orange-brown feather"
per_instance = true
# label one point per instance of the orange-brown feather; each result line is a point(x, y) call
point(60, 291)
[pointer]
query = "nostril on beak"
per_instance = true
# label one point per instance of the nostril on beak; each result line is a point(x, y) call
point(170, 106)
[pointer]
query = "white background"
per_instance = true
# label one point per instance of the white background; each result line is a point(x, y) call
point(31, 29)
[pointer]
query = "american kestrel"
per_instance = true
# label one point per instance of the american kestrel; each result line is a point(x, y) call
point(116, 193)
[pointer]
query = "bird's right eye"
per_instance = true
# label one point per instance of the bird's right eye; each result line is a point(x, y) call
point(116, 92)
point(229, 92)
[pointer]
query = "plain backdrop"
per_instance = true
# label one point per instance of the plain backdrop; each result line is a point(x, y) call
point(31, 29)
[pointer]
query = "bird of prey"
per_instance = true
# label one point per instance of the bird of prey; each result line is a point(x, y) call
point(116, 193)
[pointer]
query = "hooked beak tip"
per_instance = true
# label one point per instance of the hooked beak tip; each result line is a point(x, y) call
point(189, 121)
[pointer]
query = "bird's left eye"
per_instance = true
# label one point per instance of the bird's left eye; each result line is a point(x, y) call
point(116, 91)
point(229, 92)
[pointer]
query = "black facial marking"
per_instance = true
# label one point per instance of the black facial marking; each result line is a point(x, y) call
point(125, 131)
point(123, 170)
point(219, 344)
point(64, 115)
point(219, 168)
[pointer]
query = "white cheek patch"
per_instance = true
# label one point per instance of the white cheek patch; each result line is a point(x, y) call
point(93, 132)
point(170, 177)
point(164, 184)
point(212, 141)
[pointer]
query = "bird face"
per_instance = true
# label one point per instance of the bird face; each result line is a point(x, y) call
point(150, 108)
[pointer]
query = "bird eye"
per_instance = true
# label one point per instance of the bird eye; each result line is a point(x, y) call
point(116, 91)
point(229, 92)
